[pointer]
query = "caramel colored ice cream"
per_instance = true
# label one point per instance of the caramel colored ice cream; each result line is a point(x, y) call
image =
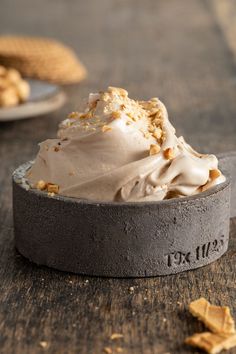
point(119, 149)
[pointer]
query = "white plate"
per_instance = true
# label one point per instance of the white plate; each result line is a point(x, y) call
point(44, 98)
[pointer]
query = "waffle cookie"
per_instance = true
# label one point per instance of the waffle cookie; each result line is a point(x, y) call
point(41, 58)
point(217, 318)
point(212, 343)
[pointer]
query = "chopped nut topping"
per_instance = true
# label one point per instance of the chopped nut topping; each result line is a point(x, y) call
point(115, 115)
point(56, 148)
point(154, 149)
point(159, 114)
point(169, 153)
point(41, 185)
point(106, 128)
point(83, 116)
point(107, 350)
point(157, 133)
point(156, 121)
point(52, 188)
point(105, 96)
point(147, 135)
point(51, 194)
point(73, 115)
point(153, 112)
point(43, 344)
point(118, 90)
point(116, 336)
point(213, 174)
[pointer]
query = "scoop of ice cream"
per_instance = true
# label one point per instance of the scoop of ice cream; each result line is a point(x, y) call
point(119, 149)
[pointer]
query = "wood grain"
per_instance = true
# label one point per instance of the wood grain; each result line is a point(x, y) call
point(175, 49)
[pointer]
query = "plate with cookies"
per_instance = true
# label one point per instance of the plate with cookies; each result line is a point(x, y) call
point(22, 98)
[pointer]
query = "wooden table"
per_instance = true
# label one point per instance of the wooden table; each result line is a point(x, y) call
point(182, 51)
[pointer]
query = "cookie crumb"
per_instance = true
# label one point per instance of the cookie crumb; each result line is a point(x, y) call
point(43, 344)
point(115, 336)
point(131, 289)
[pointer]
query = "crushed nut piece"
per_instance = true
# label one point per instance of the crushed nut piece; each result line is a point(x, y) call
point(107, 350)
point(213, 174)
point(131, 289)
point(154, 149)
point(153, 112)
point(118, 90)
point(218, 319)
point(119, 350)
point(146, 135)
point(159, 114)
point(106, 128)
point(212, 343)
point(156, 121)
point(83, 116)
point(51, 194)
point(115, 115)
point(116, 336)
point(169, 153)
point(157, 133)
point(52, 188)
point(43, 344)
point(41, 185)
point(73, 115)
point(56, 148)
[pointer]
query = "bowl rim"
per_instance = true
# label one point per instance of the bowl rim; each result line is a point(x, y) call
point(19, 179)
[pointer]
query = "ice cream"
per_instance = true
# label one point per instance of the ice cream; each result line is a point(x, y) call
point(120, 149)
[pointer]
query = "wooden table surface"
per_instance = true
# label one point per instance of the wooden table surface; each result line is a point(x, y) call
point(180, 50)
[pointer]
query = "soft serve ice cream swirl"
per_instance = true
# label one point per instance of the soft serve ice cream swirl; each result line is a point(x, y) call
point(120, 149)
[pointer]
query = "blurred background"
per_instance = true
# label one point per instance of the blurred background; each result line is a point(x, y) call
point(179, 50)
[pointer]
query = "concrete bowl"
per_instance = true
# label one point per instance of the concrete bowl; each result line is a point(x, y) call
point(120, 239)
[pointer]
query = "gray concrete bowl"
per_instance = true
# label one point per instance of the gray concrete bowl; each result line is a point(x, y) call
point(120, 239)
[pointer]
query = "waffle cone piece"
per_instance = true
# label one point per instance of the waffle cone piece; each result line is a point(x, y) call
point(212, 343)
point(217, 318)
point(41, 58)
